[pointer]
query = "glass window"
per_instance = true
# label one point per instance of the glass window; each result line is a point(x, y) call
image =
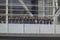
point(2, 1)
point(38, 8)
point(48, 7)
point(58, 2)
point(2, 19)
point(58, 19)
point(2, 11)
point(2, 6)
point(20, 9)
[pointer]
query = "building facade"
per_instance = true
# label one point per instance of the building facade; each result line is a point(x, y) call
point(30, 16)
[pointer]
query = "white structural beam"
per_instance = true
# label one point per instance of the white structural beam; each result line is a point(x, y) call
point(26, 8)
point(6, 11)
point(7, 14)
point(54, 17)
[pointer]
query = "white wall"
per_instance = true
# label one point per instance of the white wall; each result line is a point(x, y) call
point(58, 29)
point(32, 28)
point(3, 28)
point(44, 29)
point(15, 28)
point(29, 28)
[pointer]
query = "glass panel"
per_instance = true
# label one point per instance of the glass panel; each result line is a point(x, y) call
point(3, 1)
point(2, 6)
point(16, 10)
point(2, 19)
point(20, 9)
point(58, 20)
point(2, 11)
point(58, 2)
point(48, 7)
point(57, 12)
point(38, 8)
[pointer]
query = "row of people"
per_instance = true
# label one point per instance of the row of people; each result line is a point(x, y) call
point(30, 21)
